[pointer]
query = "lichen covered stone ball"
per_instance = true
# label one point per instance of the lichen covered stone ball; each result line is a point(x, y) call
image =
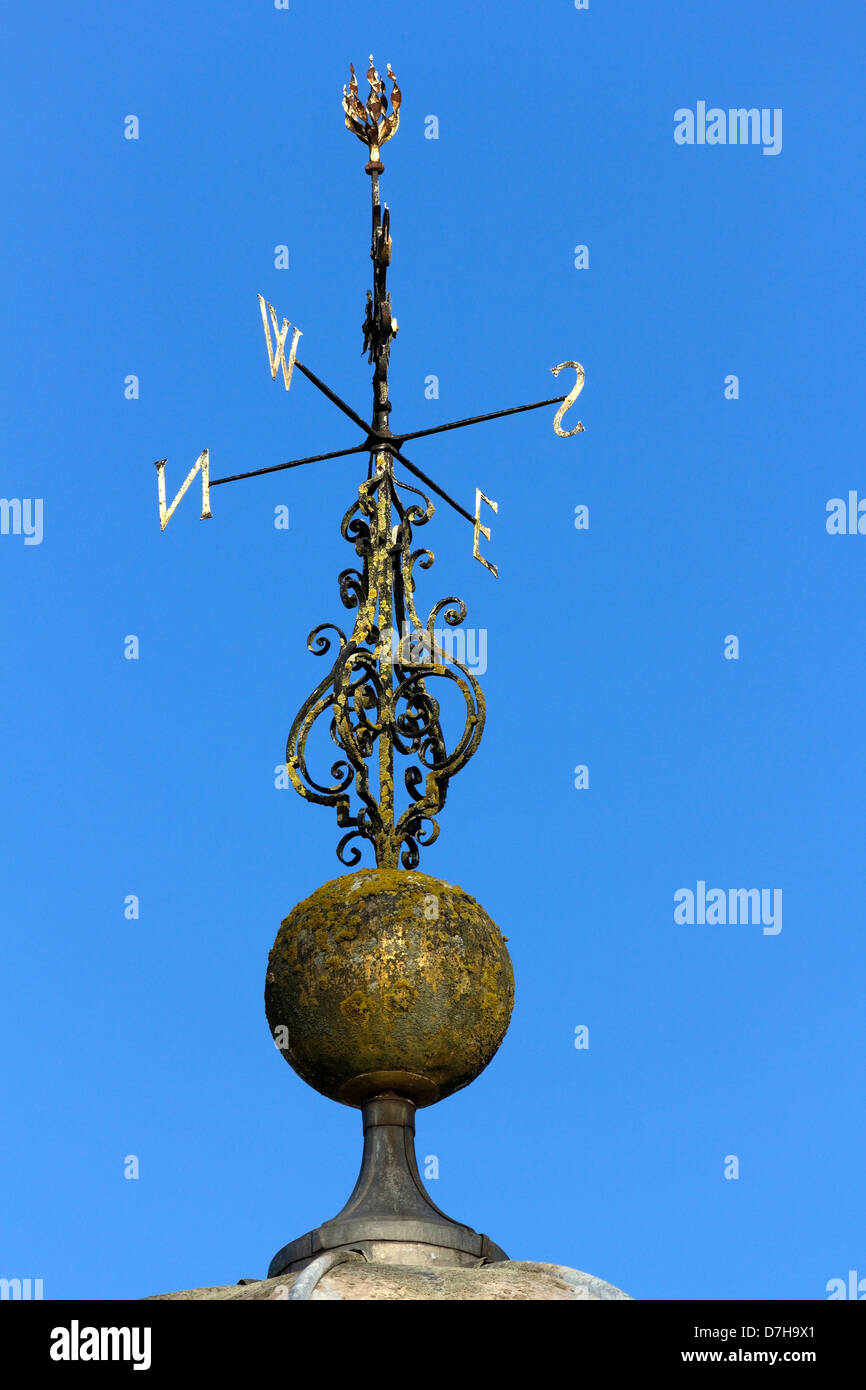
point(387, 979)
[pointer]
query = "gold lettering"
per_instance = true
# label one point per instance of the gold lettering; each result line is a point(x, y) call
point(166, 513)
point(569, 400)
point(278, 359)
point(483, 530)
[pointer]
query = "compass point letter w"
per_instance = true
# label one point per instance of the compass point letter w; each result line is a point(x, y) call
point(277, 358)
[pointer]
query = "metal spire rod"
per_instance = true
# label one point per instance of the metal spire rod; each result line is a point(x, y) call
point(375, 701)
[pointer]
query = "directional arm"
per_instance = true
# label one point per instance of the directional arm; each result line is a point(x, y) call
point(332, 396)
point(478, 419)
point(293, 463)
point(430, 483)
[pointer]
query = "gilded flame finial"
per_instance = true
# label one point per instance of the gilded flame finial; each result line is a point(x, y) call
point(372, 122)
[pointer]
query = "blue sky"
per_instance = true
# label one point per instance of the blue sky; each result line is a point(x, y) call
point(605, 647)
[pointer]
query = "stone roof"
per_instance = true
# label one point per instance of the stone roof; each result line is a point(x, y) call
point(522, 1280)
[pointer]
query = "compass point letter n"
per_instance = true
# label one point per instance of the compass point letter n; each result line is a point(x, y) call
point(277, 358)
point(483, 530)
point(166, 513)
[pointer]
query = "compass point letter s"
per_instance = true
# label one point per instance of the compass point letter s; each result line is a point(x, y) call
point(483, 530)
point(166, 513)
point(278, 359)
point(569, 400)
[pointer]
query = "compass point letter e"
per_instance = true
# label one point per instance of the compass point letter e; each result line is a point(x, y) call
point(483, 530)
point(569, 400)
point(166, 513)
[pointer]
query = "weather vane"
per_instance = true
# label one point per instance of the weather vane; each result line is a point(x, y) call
point(377, 695)
point(386, 989)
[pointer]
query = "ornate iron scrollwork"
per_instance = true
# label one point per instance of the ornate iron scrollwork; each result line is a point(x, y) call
point(377, 696)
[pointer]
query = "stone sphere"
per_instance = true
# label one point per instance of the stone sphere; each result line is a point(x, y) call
point(388, 980)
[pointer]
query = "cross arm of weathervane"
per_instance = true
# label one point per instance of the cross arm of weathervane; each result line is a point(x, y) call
point(394, 441)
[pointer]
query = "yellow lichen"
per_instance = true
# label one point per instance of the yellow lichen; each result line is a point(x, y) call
point(356, 1008)
point(402, 995)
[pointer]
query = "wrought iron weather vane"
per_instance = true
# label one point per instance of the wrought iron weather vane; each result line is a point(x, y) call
point(378, 698)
